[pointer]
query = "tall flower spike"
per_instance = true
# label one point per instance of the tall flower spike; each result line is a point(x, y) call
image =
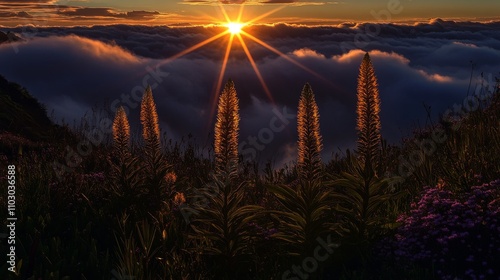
point(153, 160)
point(368, 110)
point(310, 140)
point(227, 128)
point(121, 131)
point(149, 119)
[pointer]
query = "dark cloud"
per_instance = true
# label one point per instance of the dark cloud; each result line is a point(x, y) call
point(41, 13)
point(24, 14)
point(233, 1)
point(27, 1)
point(295, 2)
point(107, 12)
point(217, 1)
point(88, 12)
point(13, 14)
point(139, 15)
point(278, 1)
point(7, 14)
point(416, 65)
point(197, 1)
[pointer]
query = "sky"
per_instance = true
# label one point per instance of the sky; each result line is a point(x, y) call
point(153, 12)
point(82, 59)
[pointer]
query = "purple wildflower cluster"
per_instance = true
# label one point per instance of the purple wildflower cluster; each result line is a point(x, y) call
point(263, 232)
point(458, 235)
point(93, 177)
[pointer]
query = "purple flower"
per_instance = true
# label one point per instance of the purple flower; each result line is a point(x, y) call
point(455, 233)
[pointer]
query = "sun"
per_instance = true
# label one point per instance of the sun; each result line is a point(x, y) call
point(235, 32)
point(235, 27)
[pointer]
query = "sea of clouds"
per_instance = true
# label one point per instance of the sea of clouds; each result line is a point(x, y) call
point(73, 70)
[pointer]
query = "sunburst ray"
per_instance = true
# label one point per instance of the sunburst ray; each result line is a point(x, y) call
point(255, 68)
point(286, 57)
point(195, 47)
point(221, 76)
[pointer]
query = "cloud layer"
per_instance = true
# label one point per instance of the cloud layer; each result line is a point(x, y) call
point(73, 69)
point(49, 12)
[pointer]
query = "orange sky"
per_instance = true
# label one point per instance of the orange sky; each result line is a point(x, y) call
point(90, 12)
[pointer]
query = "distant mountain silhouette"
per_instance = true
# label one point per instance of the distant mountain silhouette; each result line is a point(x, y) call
point(23, 120)
point(8, 37)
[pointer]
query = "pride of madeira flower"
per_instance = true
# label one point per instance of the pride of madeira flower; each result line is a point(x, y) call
point(149, 119)
point(154, 162)
point(310, 140)
point(368, 110)
point(121, 132)
point(226, 129)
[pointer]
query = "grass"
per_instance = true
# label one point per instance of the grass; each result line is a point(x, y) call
point(257, 225)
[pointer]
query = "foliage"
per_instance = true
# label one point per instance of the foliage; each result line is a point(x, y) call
point(249, 224)
point(304, 215)
point(135, 251)
point(223, 225)
point(361, 202)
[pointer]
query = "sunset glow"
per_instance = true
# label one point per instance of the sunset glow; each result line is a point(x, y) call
point(250, 139)
point(309, 12)
point(234, 28)
point(235, 24)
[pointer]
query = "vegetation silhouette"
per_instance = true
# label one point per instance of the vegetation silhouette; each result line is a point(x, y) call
point(148, 208)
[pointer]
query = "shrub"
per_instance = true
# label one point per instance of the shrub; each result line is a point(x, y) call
point(459, 236)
